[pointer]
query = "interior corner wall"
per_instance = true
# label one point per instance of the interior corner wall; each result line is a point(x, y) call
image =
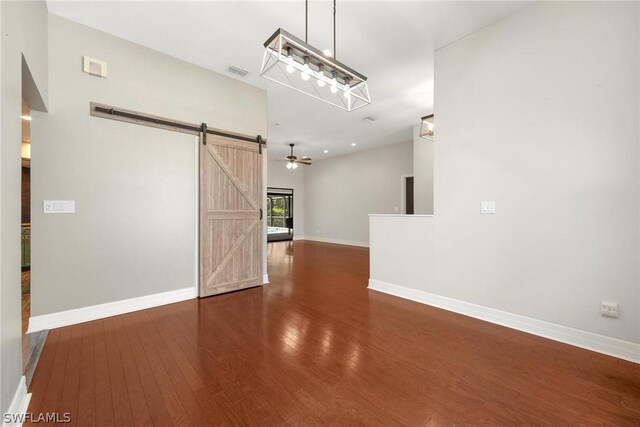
point(24, 40)
point(423, 163)
point(133, 233)
point(539, 112)
point(341, 192)
point(281, 177)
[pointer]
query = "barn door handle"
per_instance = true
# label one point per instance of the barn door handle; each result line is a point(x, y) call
point(260, 213)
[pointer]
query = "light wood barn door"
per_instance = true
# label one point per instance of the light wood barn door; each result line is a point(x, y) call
point(230, 215)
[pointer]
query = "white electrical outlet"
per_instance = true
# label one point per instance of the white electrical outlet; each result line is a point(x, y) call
point(609, 309)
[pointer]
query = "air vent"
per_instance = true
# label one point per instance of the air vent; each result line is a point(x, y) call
point(237, 70)
point(369, 119)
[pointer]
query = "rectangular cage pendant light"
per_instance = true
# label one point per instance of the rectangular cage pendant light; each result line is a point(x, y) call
point(427, 127)
point(291, 62)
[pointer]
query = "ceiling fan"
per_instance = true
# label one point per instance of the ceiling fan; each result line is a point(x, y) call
point(293, 160)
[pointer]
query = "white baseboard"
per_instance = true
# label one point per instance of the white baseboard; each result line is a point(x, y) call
point(15, 415)
point(615, 347)
point(265, 279)
point(86, 314)
point(335, 241)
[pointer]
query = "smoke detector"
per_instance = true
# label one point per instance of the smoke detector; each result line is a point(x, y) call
point(237, 70)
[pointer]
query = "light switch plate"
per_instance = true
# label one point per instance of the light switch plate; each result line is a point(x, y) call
point(59, 206)
point(609, 309)
point(488, 207)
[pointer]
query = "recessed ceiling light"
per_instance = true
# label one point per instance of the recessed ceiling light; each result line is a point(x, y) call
point(369, 119)
point(353, 144)
point(27, 118)
point(276, 124)
point(326, 151)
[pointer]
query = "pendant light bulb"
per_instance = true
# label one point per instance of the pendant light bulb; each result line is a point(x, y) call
point(294, 165)
point(347, 89)
point(289, 165)
point(306, 70)
point(320, 76)
point(334, 83)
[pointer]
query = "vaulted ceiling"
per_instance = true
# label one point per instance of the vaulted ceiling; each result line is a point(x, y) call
point(391, 42)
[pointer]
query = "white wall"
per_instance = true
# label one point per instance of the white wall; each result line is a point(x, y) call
point(281, 177)
point(540, 113)
point(340, 192)
point(422, 173)
point(24, 37)
point(134, 232)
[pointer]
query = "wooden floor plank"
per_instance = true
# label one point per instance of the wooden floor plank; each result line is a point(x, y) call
point(46, 366)
point(86, 415)
point(316, 347)
point(137, 400)
point(152, 330)
point(53, 392)
point(122, 414)
point(71, 386)
point(103, 396)
point(152, 393)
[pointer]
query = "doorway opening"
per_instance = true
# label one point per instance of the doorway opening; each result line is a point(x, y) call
point(25, 247)
point(407, 195)
point(279, 214)
point(31, 101)
point(32, 343)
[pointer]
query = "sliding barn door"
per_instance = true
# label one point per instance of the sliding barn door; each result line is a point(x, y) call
point(230, 215)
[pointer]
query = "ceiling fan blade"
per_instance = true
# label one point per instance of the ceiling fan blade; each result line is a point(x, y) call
point(306, 158)
point(303, 162)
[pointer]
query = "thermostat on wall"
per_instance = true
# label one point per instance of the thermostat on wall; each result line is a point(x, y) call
point(93, 66)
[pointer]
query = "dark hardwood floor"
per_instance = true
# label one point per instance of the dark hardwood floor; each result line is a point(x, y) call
point(315, 347)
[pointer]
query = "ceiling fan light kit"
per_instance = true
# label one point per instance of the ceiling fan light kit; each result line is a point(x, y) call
point(296, 64)
point(292, 161)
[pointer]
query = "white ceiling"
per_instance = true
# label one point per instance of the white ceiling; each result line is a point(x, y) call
point(391, 42)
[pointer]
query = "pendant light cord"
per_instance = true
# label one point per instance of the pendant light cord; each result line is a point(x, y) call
point(306, 25)
point(334, 29)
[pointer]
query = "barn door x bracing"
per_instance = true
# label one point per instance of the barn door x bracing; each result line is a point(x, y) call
point(230, 215)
